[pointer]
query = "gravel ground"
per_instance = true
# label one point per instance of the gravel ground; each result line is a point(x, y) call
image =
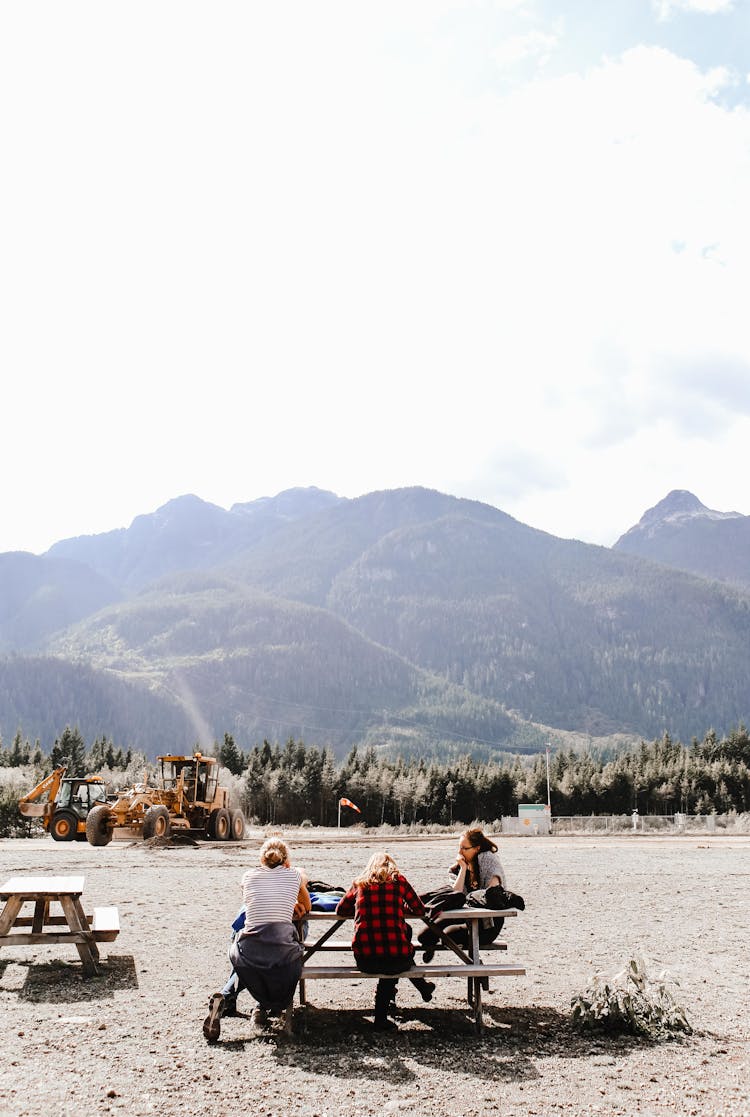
point(130, 1041)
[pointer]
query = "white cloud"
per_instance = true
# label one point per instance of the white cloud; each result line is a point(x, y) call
point(515, 49)
point(255, 247)
point(665, 9)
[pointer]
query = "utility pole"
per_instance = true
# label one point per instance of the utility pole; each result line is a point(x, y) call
point(549, 801)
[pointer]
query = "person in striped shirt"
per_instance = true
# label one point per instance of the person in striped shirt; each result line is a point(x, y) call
point(380, 900)
point(267, 953)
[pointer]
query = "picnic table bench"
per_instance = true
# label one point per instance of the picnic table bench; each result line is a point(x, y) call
point(46, 929)
point(467, 965)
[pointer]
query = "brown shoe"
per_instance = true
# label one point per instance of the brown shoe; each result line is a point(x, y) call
point(212, 1023)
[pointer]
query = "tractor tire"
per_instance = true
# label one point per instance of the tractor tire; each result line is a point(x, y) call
point(156, 823)
point(63, 826)
point(236, 825)
point(219, 825)
point(98, 832)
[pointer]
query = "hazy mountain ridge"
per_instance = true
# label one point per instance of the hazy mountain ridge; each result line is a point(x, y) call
point(188, 533)
point(683, 533)
point(403, 615)
point(41, 695)
point(40, 595)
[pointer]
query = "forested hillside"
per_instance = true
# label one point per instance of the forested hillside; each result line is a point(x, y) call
point(41, 695)
point(408, 619)
point(261, 665)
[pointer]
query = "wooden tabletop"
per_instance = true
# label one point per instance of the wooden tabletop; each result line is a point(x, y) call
point(32, 888)
point(437, 917)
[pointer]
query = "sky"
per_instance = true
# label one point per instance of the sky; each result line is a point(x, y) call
point(498, 248)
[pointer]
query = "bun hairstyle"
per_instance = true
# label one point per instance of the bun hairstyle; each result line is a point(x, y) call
point(273, 853)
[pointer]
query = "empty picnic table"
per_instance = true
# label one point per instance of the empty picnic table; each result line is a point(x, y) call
point(47, 929)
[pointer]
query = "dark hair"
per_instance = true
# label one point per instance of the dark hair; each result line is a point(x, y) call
point(475, 838)
point(479, 838)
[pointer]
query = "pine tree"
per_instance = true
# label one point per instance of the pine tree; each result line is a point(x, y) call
point(231, 757)
point(70, 749)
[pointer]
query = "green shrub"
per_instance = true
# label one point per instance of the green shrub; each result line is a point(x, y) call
point(631, 1001)
point(11, 823)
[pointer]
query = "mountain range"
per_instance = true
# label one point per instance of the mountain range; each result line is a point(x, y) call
point(407, 618)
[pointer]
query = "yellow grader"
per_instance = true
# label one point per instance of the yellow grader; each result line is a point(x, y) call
point(187, 800)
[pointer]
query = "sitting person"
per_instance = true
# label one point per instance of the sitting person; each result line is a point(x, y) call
point(477, 866)
point(267, 952)
point(379, 900)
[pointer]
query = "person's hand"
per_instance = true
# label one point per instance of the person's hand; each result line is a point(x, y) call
point(462, 862)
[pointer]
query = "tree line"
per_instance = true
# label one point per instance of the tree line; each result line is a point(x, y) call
point(290, 783)
point(295, 783)
point(69, 749)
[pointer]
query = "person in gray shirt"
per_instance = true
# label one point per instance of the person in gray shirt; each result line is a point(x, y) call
point(477, 866)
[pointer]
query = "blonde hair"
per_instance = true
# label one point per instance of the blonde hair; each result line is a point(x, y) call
point(379, 868)
point(273, 852)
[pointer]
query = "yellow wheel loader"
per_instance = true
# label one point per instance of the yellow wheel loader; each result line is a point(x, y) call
point(63, 804)
point(187, 800)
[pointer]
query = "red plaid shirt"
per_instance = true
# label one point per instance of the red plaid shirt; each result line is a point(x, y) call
point(379, 924)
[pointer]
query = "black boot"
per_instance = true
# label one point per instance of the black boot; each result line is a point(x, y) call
point(429, 940)
point(425, 987)
point(384, 994)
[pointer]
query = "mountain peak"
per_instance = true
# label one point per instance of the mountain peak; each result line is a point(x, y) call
point(676, 509)
point(677, 503)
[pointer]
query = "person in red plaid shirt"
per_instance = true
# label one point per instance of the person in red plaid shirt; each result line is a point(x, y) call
point(379, 900)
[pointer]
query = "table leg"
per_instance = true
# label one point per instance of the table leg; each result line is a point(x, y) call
point(478, 1021)
point(77, 923)
point(319, 942)
point(41, 909)
point(311, 950)
point(8, 916)
point(86, 926)
point(475, 957)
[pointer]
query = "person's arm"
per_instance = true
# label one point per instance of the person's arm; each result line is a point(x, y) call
point(460, 881)
point(412, 902)
point(345, 906)
point(304, 903)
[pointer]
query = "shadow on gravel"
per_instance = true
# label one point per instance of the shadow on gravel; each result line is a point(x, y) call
point(64, 981)
point(508, 1050)
point(342, 1043)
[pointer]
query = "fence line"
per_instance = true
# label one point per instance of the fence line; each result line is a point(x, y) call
point(643, 824)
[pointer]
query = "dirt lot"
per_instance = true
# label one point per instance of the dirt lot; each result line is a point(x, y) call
point(130, 1041)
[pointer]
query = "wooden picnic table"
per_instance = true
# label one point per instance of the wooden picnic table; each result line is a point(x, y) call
point(471, 966)
point(47, 929)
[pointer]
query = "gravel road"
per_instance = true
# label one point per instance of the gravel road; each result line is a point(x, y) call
point(130, 1041)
